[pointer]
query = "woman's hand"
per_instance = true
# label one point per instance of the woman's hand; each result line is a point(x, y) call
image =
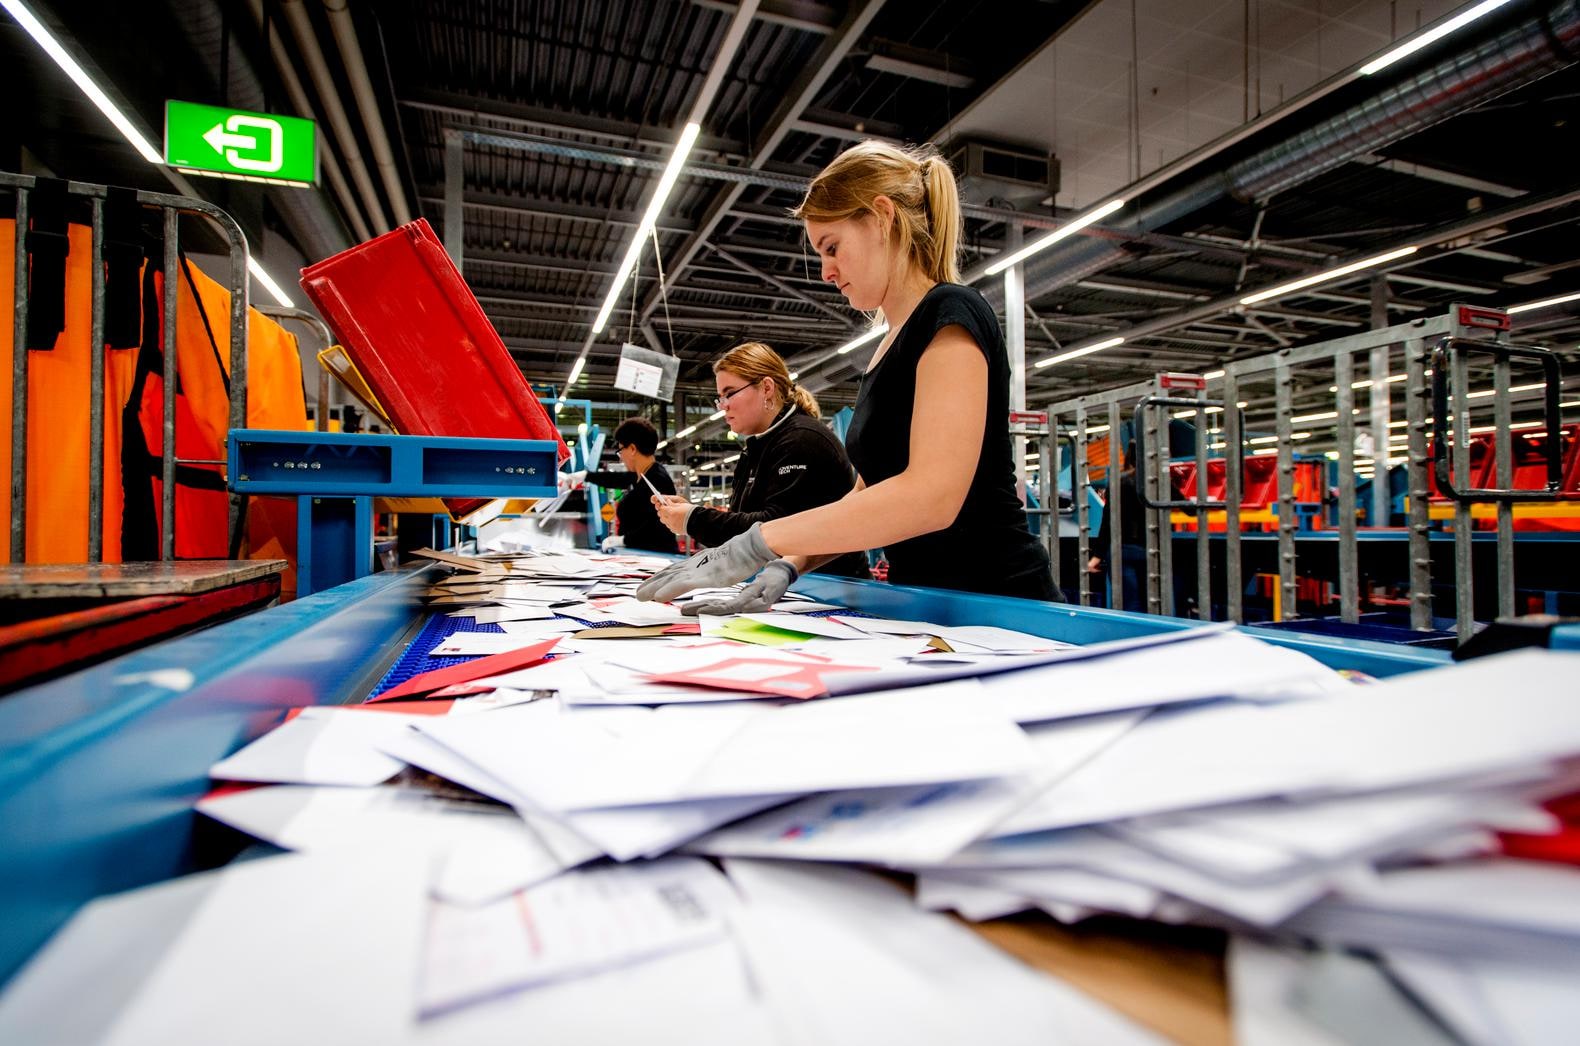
point(673, 511)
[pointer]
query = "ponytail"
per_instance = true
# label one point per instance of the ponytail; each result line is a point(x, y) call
point(927, 221)
point(943, 218)
point(805, 400)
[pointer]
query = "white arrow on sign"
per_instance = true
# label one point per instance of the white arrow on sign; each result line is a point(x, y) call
point(227, 144)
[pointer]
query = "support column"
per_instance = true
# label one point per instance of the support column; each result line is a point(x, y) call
point(1381, 406)
point(454, 181)
point(1015, 341)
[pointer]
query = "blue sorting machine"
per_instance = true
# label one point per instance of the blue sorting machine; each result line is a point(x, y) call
point(99, 770)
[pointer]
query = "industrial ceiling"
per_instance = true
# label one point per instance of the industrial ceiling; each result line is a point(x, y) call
point(1249, 148)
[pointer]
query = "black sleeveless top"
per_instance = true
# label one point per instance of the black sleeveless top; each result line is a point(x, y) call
point(987, 548)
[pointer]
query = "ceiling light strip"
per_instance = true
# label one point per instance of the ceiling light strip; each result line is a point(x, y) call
point(1096, 214)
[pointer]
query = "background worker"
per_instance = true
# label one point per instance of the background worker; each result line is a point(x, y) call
point(1132, 535)
point(930, 436)
point(790, 461)
point(635, 442)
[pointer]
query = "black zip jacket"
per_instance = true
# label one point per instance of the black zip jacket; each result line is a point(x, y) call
point(798, 464)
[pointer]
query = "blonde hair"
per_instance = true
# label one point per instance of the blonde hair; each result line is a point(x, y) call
point(755, 361)
point(927, 223)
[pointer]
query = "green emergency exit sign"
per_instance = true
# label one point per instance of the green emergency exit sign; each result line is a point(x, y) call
point(232, 143)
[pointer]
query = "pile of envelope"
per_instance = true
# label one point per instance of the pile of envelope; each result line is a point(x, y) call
point(522, 839)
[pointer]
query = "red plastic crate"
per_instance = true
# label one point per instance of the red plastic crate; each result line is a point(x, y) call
point(422, 342)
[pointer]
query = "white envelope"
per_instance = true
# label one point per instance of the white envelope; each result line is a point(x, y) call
point(292, 948)
point(576, 925)
point(320, 746)
point(843, 958)
point(482, 852)
point(686, 752)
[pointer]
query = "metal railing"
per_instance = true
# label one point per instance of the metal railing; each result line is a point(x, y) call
point(325, 338)
point(1441, 342)
point(171, 208)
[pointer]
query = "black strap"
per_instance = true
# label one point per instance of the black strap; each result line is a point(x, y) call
point(46, 248)
point(123, 258)
point(186, 270)
point(139, 516)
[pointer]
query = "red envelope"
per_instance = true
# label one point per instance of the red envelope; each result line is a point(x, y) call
point(478, 668)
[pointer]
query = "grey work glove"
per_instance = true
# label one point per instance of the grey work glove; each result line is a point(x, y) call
point(766, 589)
point(735, 560)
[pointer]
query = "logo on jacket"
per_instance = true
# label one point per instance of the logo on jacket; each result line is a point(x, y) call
point(791, 468)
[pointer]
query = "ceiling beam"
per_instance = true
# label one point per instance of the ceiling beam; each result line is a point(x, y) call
point(796, 100)
point(458, 106)
point(797, 14)
point(542, 207)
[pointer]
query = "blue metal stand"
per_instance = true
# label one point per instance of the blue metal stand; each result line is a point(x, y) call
point(336, 476)
point(334, 542)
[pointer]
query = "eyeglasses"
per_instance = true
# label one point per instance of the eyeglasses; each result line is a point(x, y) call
point(722, 401)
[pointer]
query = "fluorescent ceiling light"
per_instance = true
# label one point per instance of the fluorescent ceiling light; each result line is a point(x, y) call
point(662, 444)
point(80, 77)
point(1107, 343)
point(1323, 277)
point(123, 123)
point(267, 283)
point(683, 433)
point(576, 370)
point(1544, 303)
point(1484, 393)
point(728, 460)
point(1210, 375)
point(1414, 43)
point(794, 375)
point(666, 182)
point(1324, 416)
point(854, 343)
point(716, 415)
point(1068, 229)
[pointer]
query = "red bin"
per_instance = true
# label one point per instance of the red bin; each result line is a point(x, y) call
point(416, 332)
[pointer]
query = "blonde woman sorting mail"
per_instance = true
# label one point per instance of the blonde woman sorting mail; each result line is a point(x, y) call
point(790, 461)
point(930, 437)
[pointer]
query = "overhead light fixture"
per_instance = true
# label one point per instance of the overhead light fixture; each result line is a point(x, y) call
point(1086, 350)
point(1484, 393)
point(1544, 303)
point(576, 369)
point(666, 182)
point(730, 459)
point(267, 283)
point(1212, 375)
point(1324, 277)
point(856, 343)
point(662, 444)
point(683, 433)
point(1433, 34)
point(794, 375)
point(79, 76)
point(1065, 231)
point(559, 405)
point(123, 123)
point(716, 415)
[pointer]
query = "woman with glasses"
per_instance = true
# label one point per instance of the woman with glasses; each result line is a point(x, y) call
point(930, 437)
point(790, 461)
point(635, 443)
